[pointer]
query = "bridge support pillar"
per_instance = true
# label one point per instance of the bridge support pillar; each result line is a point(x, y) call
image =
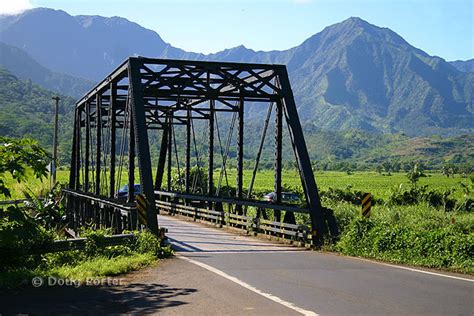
point(141, 139)
point(302, 158)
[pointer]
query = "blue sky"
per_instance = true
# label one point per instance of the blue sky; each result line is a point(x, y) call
point(442, 28)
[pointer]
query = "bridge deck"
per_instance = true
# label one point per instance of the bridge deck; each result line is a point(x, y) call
point(194, 237)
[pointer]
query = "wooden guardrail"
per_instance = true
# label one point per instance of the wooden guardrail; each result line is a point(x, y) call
point(80, 243)
point(233, 201)
point(76, 244)
point(292, 232)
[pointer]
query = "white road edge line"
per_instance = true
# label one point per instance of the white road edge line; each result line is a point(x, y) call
point(415, 270)
point(250, 287)
point(237, 252)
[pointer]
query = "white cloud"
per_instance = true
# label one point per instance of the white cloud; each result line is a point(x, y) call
point(14, 6)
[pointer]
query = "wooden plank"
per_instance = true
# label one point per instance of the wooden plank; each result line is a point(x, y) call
point(80, 243)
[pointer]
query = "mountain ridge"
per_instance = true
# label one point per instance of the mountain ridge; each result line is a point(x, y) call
point(351, 75)
point(26, 110)
point(22, 65)
point(464, 65)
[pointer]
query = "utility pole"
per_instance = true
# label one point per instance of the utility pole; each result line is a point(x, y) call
point(55, 140)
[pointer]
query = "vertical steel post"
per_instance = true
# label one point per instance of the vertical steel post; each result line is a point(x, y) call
point(240, 154)
point(141, 138)
point(131, 172)
point(302, 156)
point(87, 145)
point(170, 148)
point(187, 179)
point(160, 169)
point(278, 155)
point(78, 121)
point(98, 124)
point(131, 161)
point(113, 132)
point(210, 170)
point(72, 174)
point(73, 170)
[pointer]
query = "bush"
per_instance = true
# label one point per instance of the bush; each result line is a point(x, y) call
point(416, 195)
point(146, 242)
point(347, 195)
point(19, 235)
point(447, 246)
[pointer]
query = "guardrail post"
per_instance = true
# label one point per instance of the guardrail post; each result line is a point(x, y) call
point(133, 218)
point(256, 222)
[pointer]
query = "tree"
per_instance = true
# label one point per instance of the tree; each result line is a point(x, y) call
point(379, 169)
point(446, 170)
point(17, 157)
point(449, 170)
point(407, 166)
point(198, 177)
point(415, 174)
point(20, 231)
point(387, 166)
point(396, 166)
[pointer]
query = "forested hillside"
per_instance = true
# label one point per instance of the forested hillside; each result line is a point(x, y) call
point(22, 65)
point(27, 110)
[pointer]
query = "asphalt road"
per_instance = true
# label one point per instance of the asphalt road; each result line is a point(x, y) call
point(308, 282)
point(218, 272)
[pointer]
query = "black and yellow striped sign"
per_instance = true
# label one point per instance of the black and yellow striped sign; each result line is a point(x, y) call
point(142, 207)
point(366, 204)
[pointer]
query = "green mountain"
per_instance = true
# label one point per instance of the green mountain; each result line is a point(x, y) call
point(27, 110)
point(354, 75)
point(22, 65)
point(351, 75)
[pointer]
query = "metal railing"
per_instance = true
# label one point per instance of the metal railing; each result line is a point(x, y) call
point(88, 209)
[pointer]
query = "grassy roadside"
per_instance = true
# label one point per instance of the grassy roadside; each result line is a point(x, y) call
point(79, 266)
point(416, 235)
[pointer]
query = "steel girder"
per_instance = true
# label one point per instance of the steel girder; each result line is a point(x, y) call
point(146, 93)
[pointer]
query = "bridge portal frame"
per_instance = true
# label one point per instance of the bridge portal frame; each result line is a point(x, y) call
point(147, 93)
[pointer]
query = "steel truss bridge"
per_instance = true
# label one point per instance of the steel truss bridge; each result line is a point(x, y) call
point(175, 100)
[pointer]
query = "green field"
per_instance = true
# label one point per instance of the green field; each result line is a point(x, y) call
point(379, 185)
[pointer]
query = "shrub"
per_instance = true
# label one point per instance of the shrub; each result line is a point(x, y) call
point(19, 235)
point(437, 247)
point(415, 195)
point(146, 242)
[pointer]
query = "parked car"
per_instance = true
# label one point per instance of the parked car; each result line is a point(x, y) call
point(288, 197)
point(123, 191)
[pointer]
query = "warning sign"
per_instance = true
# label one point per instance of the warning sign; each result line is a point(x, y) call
point(142, 207)
point(366, 204)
